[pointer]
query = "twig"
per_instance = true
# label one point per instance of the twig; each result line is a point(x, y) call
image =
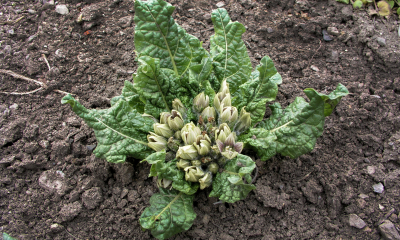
point(12, 22)
point(45, 59)
point(16, 75)
point(320, 45)
point(23, 93)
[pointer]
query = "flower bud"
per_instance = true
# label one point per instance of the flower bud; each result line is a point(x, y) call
point(213, 167)
point(164, 183)
point(178, 106)
point(193, 174)
point(238, 147)
point(205, 181)
point(200, 102)
point(208, 112)
point(175, 120)
point(188, 152)
point(229, 115)
point(229, 153)
point(189, 133)
point(157, 143)
point(230, 140)
point(164, 116)
point(221, 101)
point(222, 132)
point(224, 88)
point(244, 122)
point(163, 130)
point(196, 163)
point(203, 148)
point(182, 164)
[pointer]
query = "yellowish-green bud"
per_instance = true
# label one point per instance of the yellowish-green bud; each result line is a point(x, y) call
point(188, 152)
point(200, 102)
point(203, 147)
point(163, 130)
point(196, 163)
point(229, 115)
point(175, 120)
point(222, 132)
point(229, 153)
point(208, 112)
point(213, 167)
point(230, 140)
point(164, 183)
point(157, 143)
point(193, 174)
point(182, 164)
point(244, 121)
point(178, 106)
point(189, 133)
point(164, 116)
point(221, 101)
point(205, 181)
point(224, 88)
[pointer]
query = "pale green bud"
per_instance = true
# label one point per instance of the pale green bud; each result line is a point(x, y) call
point(163, 130)
point(205, 181)
point(221, 101)
point(188, 152)
point(164, 183)
point(196, 163)
point(175, 120)
point(213, 167)
point(229, 115)
point(200, 102)
point(230, 140)
point(189, 133)
point(203, 148)
point(208, 113)
point(157, 143)
point(182, 164)
point(193, 174)
point(244, 121)
point(229, 153)
point(224, 88)
point(178, 106)
point(222, 132)
point(164, 116)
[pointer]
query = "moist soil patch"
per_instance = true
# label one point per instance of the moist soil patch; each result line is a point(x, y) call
point(52, 187)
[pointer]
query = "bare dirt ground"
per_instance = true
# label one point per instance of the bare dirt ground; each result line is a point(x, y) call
point(52, 187)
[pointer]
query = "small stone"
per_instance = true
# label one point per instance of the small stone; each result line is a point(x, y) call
point(56, 227)
point(333, 58)
point(62, 9)
point(270, 30)
point(371, 170)
point(381, 41)
point(31, 11)
point(378, 188)
point(363, 196)
point(7, 49)
point(13, 106)
point(314, 68)
point(333, 31)
point(92, 198)
point(11, 31)
point(381, 207)
point(91, 147)
point(326, 36)
point(124, 193)
point(53, 181)
point(30, 38)
point(356, 221)
point(220, 4)
point(71, 210)
point(388, 231)
point(125, 22)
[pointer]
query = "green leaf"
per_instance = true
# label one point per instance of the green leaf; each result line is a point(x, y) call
point(230, 59)
point(343, 1)
point(120, 131)
point(391, 4)
point(168, 170)
point(294, 130)
point(158, 36)
point(130, 95)
point(8, 237)
point(261, 88)
point(398, 13)
point(171, 212)
point(330, 100)
point(357, 4)
point(229, 186)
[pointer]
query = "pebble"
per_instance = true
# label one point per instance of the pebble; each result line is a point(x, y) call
point(371, 170)
point(7, 49)
point(31, 11)
point(381, 41)
point(388, 231)
point(333, 58)
point(30, 38)
point(14, 106)
point(62, 9)
point(91, 147)
point(378, 188)
point(56, 227)
point(53, 181)
point(270, 30)
point(11, 31)
point(333, 31)
point(356, 221)
point(314, 68)
point(326, 36)
point(220, 4)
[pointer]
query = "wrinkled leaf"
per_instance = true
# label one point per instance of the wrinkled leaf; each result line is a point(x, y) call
point(262, 87)
point(384, 8)
point(130, 96)
point(169, 171)
point(230, 59)
point(158, 36)
point(120, 131)
point(229, 186)
point(294, 130)
point(170, 212)
point(357, 4)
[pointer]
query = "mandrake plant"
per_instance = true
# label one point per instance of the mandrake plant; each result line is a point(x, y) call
point(190, 113)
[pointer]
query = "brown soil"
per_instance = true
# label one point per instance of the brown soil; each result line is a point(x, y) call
point(52, 187)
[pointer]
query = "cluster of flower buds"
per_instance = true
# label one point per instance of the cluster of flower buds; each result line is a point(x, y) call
point(202, 149)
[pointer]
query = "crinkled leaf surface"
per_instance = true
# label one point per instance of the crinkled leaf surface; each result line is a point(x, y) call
point(120, 131)
point(130, 95)
point(262, 87)
point(158, 36)
point(294, 130)
point(168, 170)
point(230, 59)
point(171, 212)
point(229, 186)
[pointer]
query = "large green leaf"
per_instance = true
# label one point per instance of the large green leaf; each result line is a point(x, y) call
point(292, 131)
point(130, 95)
point(171, 212)
point(120, 131)
point(230, 59)
point(169, 171)
point(228, 185)
point(158, 36)
point(262, 87)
